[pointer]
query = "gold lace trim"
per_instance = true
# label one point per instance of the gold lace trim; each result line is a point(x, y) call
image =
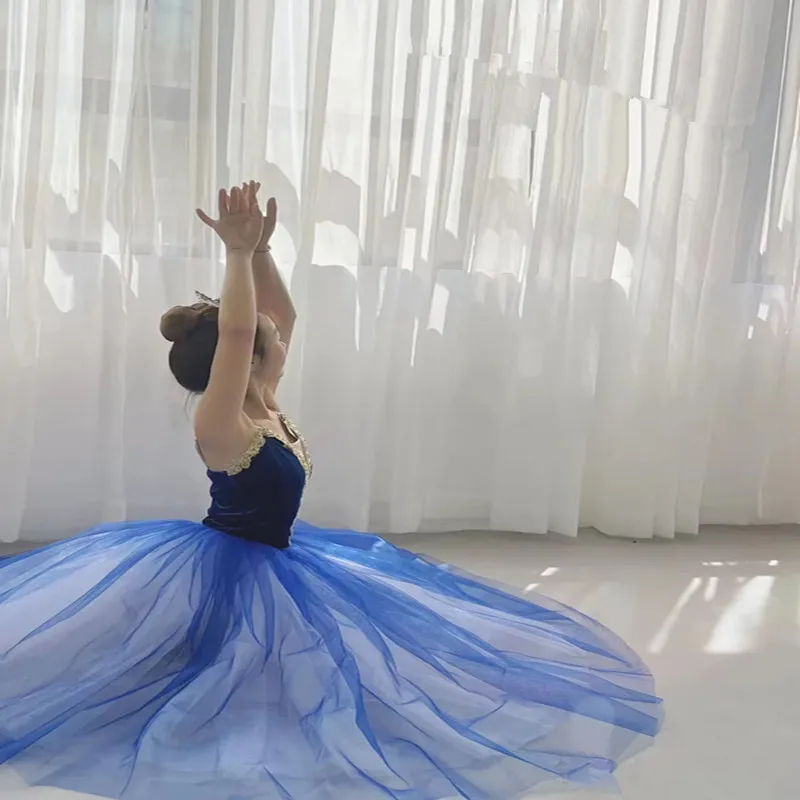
point(298, 448)
point(246, 458)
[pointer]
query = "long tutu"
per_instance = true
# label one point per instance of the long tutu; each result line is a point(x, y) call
point(167, 661)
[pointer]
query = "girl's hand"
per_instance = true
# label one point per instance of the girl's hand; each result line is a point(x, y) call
point(240, 222)
point(270, 218)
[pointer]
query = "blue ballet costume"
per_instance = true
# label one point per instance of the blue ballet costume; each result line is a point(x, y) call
point(252, 657)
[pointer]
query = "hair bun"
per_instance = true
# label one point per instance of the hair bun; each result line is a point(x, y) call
point(178, 323)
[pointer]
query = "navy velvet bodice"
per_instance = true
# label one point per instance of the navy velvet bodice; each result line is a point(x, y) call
point(260, 500)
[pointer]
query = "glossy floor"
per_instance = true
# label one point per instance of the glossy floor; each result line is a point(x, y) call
point(717, 617)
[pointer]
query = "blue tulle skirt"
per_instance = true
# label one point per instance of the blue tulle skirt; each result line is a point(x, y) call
point(168, 661)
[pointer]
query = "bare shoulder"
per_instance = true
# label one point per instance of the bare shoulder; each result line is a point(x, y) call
point(222, 446)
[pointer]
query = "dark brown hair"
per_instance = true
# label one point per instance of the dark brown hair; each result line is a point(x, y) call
point(194, 331)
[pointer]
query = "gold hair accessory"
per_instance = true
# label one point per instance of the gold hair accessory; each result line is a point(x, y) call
point(204, 298)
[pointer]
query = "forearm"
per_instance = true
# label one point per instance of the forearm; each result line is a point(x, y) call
point(272, 296)
point(238, 304)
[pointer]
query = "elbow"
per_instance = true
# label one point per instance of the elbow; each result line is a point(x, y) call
point(286, 324)
point(284, 317)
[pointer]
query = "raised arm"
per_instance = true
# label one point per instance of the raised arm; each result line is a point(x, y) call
point(219, 420)
point(272, 295)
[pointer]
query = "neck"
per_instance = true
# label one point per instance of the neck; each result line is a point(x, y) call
point(260, 404)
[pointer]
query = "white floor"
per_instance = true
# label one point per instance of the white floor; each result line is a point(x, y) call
point(717, 618)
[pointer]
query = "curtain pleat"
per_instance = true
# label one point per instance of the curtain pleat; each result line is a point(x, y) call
point(545, 254)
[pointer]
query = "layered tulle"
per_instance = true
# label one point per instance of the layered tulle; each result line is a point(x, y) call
point(168, 661)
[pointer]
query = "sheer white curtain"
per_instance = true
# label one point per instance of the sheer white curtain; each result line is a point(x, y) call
point(545, 254)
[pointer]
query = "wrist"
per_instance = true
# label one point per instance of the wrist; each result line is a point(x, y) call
point(240, 251)
point(265, 249)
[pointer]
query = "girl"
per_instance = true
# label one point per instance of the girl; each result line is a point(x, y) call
point(252, 656)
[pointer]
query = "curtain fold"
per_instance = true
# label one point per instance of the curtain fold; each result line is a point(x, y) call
point(545, 254)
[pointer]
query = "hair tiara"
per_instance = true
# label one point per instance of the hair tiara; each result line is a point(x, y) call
point(204, 298)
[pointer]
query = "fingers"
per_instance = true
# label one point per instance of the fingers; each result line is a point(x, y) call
point(250, 191)
point(253, 194)
point(249, 200)
point(272, 208)
point(239, 200)
point(235, 201)
point(205, 218)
